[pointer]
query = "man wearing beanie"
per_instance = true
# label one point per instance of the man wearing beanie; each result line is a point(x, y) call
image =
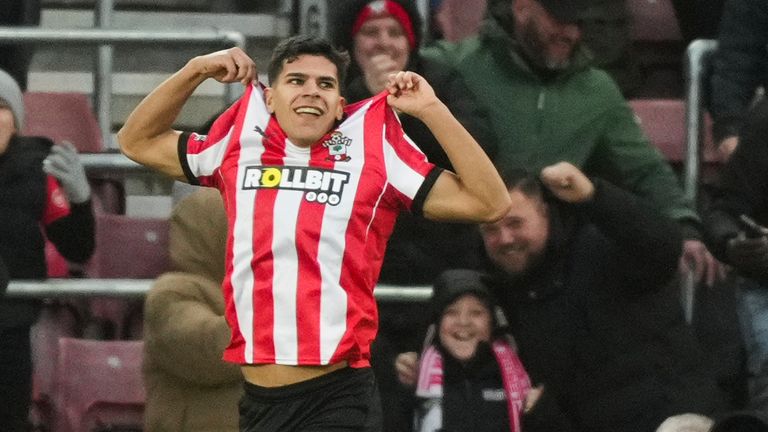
point(43, 190)
point(383, 36)
point(530, 70)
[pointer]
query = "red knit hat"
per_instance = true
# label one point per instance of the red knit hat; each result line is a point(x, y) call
point(382, 8)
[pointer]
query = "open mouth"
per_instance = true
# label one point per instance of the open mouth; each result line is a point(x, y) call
point(309, 110)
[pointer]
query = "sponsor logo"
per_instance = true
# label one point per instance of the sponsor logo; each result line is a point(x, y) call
point(337, 147)
point(322, 186)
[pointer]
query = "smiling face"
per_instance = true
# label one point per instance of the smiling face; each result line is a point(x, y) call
point(306, 99)
point(546, 41)
point(381, 36)
point(517, 241)
point(465, 323)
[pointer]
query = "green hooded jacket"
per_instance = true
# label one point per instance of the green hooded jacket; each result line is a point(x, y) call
point(576, 115)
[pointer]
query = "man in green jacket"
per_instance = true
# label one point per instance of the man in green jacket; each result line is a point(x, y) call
point(547, 104)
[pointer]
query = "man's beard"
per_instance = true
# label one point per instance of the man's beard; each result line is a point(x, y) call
point(535, 49)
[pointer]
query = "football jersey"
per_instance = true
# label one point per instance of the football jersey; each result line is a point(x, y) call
point(308, 226)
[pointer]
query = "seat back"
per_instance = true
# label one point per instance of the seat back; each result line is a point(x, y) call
point(99, 385)
point(653, 20)
point(128, 247)
point(63, 117)
point(663, 121)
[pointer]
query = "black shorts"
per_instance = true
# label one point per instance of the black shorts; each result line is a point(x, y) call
point(346, 400)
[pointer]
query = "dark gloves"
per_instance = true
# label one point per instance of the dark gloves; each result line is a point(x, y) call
point(749, 256)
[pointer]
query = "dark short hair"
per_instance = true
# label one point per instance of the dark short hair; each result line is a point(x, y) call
point(524, 181)
point(290, 49)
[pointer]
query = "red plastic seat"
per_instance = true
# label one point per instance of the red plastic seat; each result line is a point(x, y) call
point(653, 20)
point(99, 385)
point(56, 320)
point(63, 117)
point(663, 121)
point(128, 247)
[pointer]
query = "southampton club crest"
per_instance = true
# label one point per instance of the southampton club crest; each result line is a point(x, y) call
point(337, 147)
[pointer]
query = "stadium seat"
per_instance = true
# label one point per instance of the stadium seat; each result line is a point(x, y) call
point(658, 47)
point(99, 386)
point(56, 320)
point(128, 247)
point(63, 117)
point(663, 121)
point(653, 20)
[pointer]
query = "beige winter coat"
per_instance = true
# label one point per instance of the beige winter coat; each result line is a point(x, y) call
point(189, 387)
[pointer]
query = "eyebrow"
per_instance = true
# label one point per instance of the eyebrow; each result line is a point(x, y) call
point(305, 76)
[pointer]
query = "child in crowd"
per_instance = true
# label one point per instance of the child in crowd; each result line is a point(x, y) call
point(470, 377)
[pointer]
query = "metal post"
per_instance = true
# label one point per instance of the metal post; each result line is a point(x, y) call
point(103, 76)
point(695, 61)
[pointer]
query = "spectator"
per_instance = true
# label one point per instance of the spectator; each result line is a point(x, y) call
point(743, 190)
point(43, 189)
point(739, 68)
point(384, 37)
point(471, 378)
point(15, 58)
point(189, 387)
point(312, 189)
point(531, 72)
point(583, 270)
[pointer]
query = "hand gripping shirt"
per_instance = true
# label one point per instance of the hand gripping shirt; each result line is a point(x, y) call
point(307, 226)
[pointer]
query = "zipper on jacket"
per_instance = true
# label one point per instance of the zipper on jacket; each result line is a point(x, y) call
point(540, 103)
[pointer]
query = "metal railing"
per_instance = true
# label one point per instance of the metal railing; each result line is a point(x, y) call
point(105, 38)
point(137, 288)
point(696, 56)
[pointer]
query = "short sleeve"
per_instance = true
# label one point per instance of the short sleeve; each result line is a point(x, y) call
point(408, 170)
point(201, 156)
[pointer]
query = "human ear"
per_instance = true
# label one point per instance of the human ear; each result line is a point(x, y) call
point(340, 108)
point(269, 99)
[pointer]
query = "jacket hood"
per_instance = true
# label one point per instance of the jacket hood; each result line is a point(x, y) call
point(198, 235)
point(452, 284)
point(498, 30)
point(344, 18)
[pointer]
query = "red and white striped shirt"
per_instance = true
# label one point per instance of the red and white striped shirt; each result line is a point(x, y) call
point(307, 226)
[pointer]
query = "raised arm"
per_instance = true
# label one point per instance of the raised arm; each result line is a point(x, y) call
point(475, 193)
point(147, 136)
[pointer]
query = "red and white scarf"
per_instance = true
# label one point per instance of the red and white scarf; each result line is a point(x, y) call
point(430, 384)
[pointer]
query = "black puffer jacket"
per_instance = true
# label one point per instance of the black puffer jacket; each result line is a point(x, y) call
point(743, 186)
point(599, 324)
point(22, 206)
point(419, 250)
point(740, 64)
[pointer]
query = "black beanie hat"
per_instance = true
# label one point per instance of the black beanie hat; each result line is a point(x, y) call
point(452, 284)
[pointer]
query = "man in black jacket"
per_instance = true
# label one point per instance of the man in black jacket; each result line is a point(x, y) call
point(583, 270)
point(43, 190)
point(739, 69)
point(743, 190)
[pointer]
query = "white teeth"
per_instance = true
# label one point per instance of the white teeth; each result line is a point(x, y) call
point(309, 110)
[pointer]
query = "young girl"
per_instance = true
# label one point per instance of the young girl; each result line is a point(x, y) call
point(470, 377)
